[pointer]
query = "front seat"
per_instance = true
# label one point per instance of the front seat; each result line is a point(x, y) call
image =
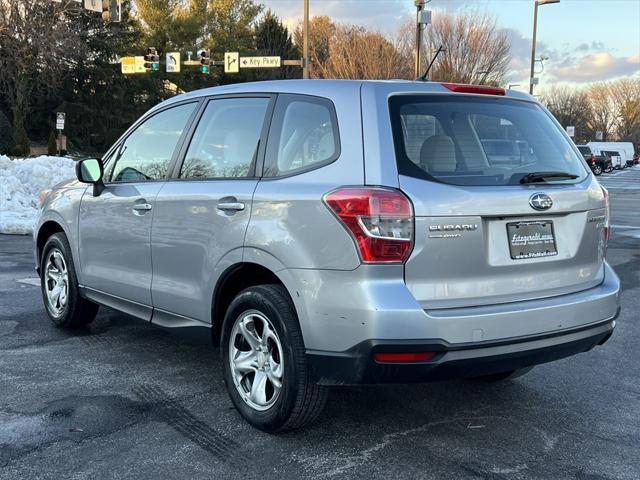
point(438, 154)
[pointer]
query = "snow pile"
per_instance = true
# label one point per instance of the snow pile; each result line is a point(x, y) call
point(21, 181)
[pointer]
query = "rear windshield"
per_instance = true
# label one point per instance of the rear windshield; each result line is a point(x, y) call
point(478, 141)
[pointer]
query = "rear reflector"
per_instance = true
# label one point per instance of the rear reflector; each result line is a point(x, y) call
point(404, 357)
point(482, 89)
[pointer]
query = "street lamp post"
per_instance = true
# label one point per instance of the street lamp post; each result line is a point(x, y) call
point(537, 3)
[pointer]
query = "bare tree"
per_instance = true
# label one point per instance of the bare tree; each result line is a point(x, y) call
point(350, 51)
point(474, 50)
point(36, 45)
point(570, 107)
point(602, 115)
point(625, 101)
point(321, 33)
point(357, 53)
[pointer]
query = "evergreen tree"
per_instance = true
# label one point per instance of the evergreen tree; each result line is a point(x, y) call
point(273, 38)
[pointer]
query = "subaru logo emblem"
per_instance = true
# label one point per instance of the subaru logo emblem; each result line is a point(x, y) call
point(540, 201)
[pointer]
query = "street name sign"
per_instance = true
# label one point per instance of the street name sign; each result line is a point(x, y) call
point(231, 62)
point(259, 62)
point(173, 62)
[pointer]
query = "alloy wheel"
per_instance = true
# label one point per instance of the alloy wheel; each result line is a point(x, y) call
point(256, 360)
point(56, 282)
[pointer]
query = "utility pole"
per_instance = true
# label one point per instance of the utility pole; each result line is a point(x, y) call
point(305, 42)
point(419, 6)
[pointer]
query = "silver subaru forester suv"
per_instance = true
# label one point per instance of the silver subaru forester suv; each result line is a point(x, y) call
point(339, 232)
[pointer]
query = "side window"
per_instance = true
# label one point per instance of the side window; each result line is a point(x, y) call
point(225, 142)
point(304, 135)
point(146, 153)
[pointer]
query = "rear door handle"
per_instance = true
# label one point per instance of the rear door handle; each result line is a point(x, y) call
point(235, 206)
point(142, 207)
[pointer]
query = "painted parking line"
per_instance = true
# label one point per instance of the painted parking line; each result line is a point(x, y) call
point(33, 281)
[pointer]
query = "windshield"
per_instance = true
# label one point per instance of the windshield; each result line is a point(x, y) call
point(465, 140)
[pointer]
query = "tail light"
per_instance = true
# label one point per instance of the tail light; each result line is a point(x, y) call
point(380, 221)
point(607, 213)
point(593, 159)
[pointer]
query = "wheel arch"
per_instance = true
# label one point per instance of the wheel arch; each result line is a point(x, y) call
point(48, 228)
point(238, 277)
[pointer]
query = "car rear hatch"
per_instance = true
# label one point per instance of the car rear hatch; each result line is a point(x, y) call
point(492, 230)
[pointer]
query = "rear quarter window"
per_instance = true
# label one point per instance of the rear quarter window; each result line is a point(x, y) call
point(303, 136)
point(473, 140)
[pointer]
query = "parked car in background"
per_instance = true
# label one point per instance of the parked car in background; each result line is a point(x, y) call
point(625, 150)
point(502, 152)
point(615, 158)
point(598, 163)
point(328, 232)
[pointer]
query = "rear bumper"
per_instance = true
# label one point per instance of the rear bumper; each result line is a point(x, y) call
point(339, 310)
point(454, 361)
point(348, 325)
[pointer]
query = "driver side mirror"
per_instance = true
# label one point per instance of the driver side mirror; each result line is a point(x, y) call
point(90, 170)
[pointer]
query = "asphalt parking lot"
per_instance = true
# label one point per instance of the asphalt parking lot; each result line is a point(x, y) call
point(124, 400)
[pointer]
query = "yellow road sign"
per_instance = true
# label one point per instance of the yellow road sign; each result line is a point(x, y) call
point(139, 64)
point(131, 65)
point(128, 65)
point(231, 62)
point(259, 62)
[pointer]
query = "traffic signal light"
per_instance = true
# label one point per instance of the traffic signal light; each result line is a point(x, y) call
point(152, 60)
point(205, 61)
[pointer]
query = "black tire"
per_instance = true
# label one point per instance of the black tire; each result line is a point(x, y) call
point(502, 376)
point(77, 311)
point(597, 169)
point(300, 399)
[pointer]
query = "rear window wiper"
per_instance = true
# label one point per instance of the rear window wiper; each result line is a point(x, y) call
point(542, 176)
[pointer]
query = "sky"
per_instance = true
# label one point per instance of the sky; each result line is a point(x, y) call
point(586, 40)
